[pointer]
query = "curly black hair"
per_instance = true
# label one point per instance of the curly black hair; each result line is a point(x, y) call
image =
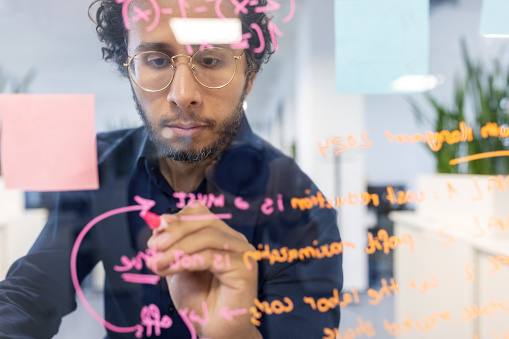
point(111, 31)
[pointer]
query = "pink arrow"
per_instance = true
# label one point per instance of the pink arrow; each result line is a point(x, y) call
point(228, 315)
point(143, 205)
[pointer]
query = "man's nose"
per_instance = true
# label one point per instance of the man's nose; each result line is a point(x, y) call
point(185, 90)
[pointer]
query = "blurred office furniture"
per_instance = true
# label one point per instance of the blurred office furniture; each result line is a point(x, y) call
point(40, 200)
point(46, 201)
point(18, 227)
point(319, 114)
point(381, 264)
point(454, 281)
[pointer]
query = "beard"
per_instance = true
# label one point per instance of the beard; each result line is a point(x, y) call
point(226, 131)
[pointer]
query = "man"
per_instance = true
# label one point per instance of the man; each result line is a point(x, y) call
point(237, 260)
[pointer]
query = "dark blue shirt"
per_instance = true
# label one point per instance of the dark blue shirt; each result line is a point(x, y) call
point(38, 290)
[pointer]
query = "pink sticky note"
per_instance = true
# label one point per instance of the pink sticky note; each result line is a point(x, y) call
point(48, 142)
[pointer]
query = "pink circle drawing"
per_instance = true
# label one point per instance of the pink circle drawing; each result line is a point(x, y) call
point(144, 205)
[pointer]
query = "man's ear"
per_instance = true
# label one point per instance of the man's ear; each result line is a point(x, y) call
point(250, 82)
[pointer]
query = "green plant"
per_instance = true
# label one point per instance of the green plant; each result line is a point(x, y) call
point(12, 86)
point(480, 97)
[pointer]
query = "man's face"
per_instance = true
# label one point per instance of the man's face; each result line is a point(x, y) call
point(187, 121)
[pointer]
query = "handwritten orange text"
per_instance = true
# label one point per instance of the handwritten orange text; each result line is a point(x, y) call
point(385, 290)
point(319, 200)
point(289, 255)
point(403, 197)
point(496, 261)
point(478, 156)
point(504, 335)
point(493, 183)
point(489, 309)
point(341, 145)
point(326, 304)
point(492, 129)
point(435, 140)
point(449, 239)
point(364, 328)
point(469, 271)
point(425, 285)
point(383, 241)
point(408, 324)
point(274, 307)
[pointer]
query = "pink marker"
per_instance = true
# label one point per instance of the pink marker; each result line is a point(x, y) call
point(154, 221)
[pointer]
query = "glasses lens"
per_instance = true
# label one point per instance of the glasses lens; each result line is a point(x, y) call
point(152, 71)
point(214, 67)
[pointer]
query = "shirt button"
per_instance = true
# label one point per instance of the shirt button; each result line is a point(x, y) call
point(171, 309)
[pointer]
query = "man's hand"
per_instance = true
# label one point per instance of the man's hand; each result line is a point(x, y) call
point(202, 261)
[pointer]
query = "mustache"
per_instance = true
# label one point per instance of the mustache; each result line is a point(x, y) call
point(180, 116)
point(187, 117)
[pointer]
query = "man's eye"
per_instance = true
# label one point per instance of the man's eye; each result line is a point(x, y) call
point(210, 62)
point(158, 62)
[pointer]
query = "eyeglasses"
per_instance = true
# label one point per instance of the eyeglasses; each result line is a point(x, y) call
point(153, 71)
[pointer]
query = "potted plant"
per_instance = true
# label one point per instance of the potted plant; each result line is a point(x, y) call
point(485, 92)
point(480, 102)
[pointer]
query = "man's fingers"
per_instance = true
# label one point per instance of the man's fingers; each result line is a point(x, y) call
point(187, 224)
point(215, 261)
point(206, 239)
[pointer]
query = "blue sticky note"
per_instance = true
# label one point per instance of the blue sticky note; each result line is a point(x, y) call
point(378, 42)
point(494, 17)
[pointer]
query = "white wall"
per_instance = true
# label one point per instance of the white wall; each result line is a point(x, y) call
point(58, 41)
point(322, 113)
